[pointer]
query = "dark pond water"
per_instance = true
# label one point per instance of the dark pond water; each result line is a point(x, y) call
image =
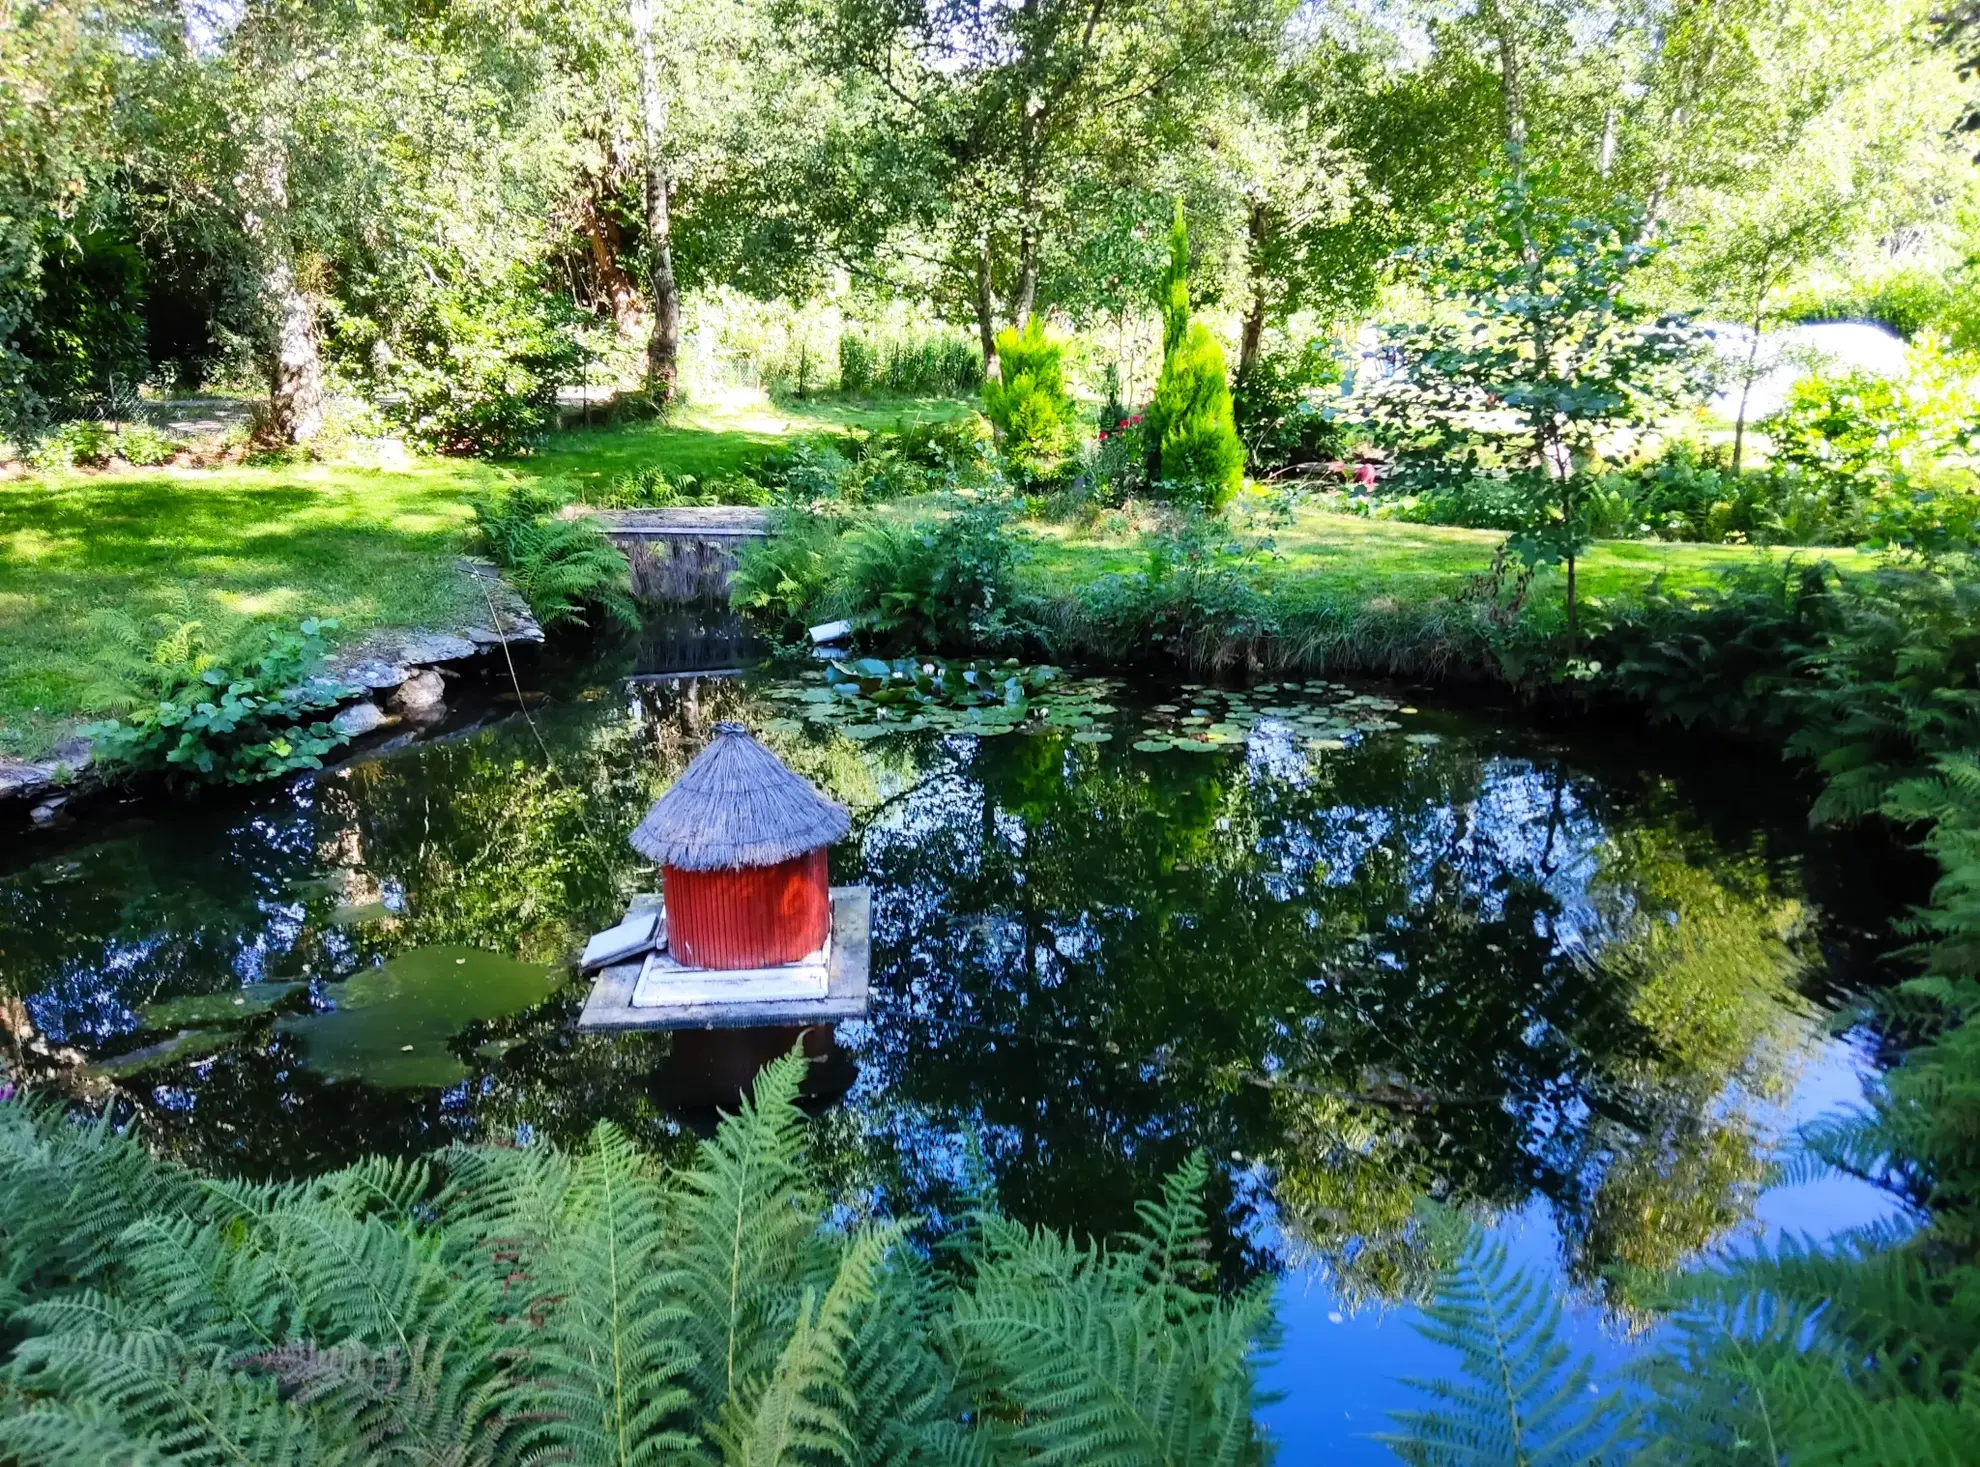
point(1358, 948)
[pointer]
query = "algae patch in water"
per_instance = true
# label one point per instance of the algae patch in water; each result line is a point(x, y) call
point(229, 1006)
point(393, 1026)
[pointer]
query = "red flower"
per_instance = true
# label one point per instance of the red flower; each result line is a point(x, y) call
point(1103, 435)
point(1136, 420)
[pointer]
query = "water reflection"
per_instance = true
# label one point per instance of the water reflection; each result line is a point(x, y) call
point(1456, 964)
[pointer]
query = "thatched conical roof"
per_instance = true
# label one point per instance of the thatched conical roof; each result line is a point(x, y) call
point(737, 805)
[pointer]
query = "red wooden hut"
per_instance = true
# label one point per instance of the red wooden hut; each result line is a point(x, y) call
point(741, 842)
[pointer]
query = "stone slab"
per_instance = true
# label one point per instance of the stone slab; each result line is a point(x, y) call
point(689, 522)
point(610, 1007)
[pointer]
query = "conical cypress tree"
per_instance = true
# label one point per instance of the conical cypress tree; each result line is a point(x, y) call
point(1193, 440)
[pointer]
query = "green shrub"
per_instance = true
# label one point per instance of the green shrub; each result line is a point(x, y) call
point(83, 340)
point(1194, 594)
point(856, 364)
point(143, 446)
point(943, 364)
point(784, 583)
point(233, 725)
point(1027, 401)
point(564, 568)
point(515, 1304)
point(858, 468)
point(922, 363)
point(1904, 454)
point(1117, 467)
point(81, 443)
point(1280, 409)
point(941, 443)
point(648, 487)
point(1909, 301)
point(1194, 453)
point(935, 581)
point(480, 369)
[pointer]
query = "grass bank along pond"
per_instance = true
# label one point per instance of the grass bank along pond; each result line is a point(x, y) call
point(1358, 948)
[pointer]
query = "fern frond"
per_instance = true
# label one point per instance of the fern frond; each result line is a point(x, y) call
point(582, 1257)
point(799, 1414)
point(1520, 1402)
point(1091, 1355)
point(182, 1407)
point(743, 1221)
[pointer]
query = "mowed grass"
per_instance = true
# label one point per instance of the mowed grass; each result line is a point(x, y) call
point(1347, 557)
point(94, 568)
point(720, 434)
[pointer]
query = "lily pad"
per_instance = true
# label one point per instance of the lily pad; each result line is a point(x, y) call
point(393, 1026)
point(1092, 736)
point(229, 1007)
point(188, 1044)
point(1154, 746)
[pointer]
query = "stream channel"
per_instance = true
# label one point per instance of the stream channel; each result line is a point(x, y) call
point(1359, 945)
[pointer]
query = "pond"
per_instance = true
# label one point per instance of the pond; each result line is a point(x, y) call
point(1358, 946)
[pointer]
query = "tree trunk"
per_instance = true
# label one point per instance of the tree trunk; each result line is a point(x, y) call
point(1027, 277)
point(986, 306)
point(1253, 337)
point(663, 346)
point(1574, 618)
point(1512, 95)
point(295, 375)
point(1746, 392)
point(602, 236)
point(295, 395)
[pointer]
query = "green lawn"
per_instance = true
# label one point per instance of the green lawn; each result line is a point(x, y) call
point(720, 435)
point(87, 560)
point(1354, 555)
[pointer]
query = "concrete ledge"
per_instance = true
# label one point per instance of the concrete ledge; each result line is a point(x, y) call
point(610, 1008)
point(688, 522)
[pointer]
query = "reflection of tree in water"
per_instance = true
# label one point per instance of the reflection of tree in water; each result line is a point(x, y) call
point(481, 842)
point(1406, 970)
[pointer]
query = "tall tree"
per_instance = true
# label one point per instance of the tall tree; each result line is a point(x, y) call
point(1011, 104)
point(663, 347)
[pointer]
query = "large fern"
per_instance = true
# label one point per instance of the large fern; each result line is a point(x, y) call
point(1090, 1355)
point(524, 1305)
point(1521, 1402)
point(565, 568)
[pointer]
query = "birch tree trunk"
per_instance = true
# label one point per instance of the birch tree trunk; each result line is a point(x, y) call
point(295, 377)
point(663, 346)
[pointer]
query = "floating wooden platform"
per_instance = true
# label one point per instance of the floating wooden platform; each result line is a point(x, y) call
point(712, 999)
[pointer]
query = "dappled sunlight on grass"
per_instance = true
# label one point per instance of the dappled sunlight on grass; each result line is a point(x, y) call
point(93, 569)
point(1347, 552)
point(92, 566)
